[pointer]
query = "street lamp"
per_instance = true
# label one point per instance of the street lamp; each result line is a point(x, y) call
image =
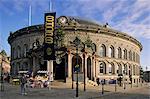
point(84, 71)
point(76, 43)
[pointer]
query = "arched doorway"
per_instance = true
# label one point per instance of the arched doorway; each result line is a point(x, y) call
point(60, 69)
point(74, 63)
point(89, 68)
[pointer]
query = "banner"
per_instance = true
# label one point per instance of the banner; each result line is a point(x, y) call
point(49, 27)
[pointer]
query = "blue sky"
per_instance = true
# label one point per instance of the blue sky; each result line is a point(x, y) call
point(129, 16)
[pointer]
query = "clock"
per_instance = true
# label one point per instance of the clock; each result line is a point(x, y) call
point(62, 20)
point(49, 51)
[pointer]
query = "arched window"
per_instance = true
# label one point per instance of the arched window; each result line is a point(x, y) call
point(113, 68)
point(102, 67)
point(129, 69)
point(25, 49)
point(117, 69)
point(25, 66)
point(136, 57)
point(13, 53)
point(111, 52)
point(110, 68)
point(120, 68)
point(18, 52)
point(103, 51)
point(130, 55)
point(119, 53)
point(133, 56)
point(125, 69)
point(125, 54)
point(133, 69)
point(94, 47)
point(19, 67)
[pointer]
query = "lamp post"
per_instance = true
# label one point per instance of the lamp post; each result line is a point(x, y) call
point(76, 42)
point(77, 72)
point(84, 72)
point(115, 85)
point(65, 66)
point(103, 86)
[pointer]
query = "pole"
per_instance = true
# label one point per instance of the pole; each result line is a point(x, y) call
point(49, 74)
point(65, 67)
point(72, 77)
point(131, 83)
point(84, 71)
point(116, 86)
point(124, 84)
point(77, 74)
point(30, 16)
point(50, 6)
point(102, 88)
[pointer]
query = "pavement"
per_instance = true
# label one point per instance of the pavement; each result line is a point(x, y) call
point(61, 90)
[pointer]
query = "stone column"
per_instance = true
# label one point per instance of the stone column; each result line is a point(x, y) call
point(86, 67)
point(34, 63)
point(97, 68)
point(69, 64)
point(93, 66)
point(50, 69)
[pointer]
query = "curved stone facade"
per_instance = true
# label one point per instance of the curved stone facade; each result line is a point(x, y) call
point(114, 52)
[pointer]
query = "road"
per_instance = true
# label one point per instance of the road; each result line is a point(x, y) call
point(143, 93)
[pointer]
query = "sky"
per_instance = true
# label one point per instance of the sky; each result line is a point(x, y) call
point(129, 16)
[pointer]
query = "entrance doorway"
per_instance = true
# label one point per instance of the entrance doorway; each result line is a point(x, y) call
point(61, 69)
point(89, 68)
point(74, 63)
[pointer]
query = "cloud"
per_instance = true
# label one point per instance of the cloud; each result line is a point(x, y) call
point(130, 16)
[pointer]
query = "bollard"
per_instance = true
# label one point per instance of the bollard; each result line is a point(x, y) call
point(124, 85)
point(102, 88)
point(115, 86)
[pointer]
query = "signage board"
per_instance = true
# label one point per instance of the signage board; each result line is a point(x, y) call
point(49, 28)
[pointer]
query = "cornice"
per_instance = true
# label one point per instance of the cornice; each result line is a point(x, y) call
point(83, 28)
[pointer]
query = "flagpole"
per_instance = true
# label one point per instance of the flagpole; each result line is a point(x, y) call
point(30, 16)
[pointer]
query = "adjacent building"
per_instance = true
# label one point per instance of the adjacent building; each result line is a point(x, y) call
point(4, 64)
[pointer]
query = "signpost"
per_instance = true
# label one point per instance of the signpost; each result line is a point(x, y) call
point(49, 51)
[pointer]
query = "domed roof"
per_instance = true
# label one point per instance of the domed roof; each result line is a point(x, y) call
point(84, 21)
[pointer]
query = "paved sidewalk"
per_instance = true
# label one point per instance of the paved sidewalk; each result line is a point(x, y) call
point(62, 91)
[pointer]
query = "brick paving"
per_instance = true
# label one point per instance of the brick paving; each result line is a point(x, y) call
point(64, 91)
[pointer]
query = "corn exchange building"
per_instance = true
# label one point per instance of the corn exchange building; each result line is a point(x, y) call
point(103, 52)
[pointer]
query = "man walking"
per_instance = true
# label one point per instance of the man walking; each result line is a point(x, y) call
point(23, 81)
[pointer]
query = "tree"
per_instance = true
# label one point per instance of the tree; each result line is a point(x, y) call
point(3, 52)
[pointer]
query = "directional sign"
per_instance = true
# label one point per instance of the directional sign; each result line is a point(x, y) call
point(77, 68)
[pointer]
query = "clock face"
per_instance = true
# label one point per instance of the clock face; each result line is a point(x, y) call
point(49, 51)
point(62, 20)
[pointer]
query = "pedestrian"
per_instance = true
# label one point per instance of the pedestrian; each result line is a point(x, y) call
point(98, 82)
point(23, 81)
point(8, 78)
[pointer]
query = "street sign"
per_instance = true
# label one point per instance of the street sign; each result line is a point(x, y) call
point(80, 77)
point(77, 68)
